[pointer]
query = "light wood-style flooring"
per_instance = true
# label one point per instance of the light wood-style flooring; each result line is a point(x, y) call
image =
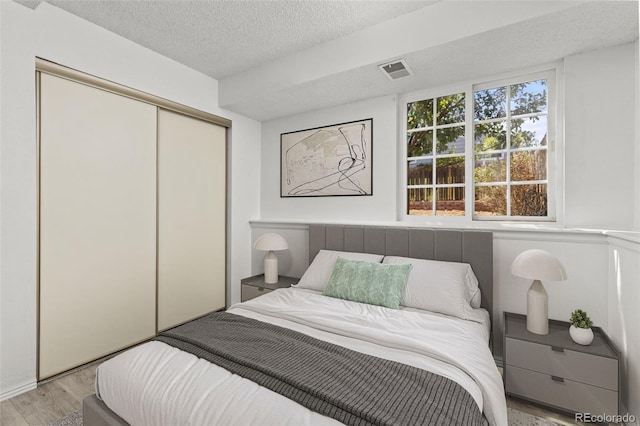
point(49, 401)
point(63, 395)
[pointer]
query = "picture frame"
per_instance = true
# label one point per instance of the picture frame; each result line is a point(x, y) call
point(327, 161)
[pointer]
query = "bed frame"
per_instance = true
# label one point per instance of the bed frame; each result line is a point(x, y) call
point(472, 247)
point(467, 246)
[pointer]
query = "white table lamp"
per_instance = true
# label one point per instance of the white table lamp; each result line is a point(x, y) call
point(271, 242)
point(538, 265)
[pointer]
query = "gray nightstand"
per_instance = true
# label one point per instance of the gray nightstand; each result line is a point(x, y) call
point(554, 371)
point(255, 286)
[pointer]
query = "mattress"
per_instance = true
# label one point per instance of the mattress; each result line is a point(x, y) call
point(157, 384)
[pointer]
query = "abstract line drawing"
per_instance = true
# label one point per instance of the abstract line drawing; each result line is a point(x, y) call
point(327, 161)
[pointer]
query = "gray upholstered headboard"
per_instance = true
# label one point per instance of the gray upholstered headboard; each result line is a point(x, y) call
point(468, 246)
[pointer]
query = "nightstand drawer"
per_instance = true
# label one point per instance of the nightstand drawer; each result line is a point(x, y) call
point(577, 366)
point(249, 292)
point(565, 394)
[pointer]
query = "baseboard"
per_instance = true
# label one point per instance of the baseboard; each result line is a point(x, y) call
point(17, 390)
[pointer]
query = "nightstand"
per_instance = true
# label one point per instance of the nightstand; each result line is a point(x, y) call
point(255, 286)
point(553, 371)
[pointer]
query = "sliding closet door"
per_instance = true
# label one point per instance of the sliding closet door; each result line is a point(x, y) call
point(191, 218)
point(97, 223)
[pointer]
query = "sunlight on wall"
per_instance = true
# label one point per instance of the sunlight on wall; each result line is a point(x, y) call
point(618, 273)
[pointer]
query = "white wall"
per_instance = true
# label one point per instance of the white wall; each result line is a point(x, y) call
point(53, 34)
point(600, 114)
point(380, 205)
point(600, 149)
point(624, 316)
point(585, 287)
point(637, 139)
point(600, 187)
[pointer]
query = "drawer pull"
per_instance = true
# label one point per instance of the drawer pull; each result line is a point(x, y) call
point(557, 379)
point(557, 349)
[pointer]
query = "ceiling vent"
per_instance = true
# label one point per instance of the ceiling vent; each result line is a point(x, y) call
point(396, 69)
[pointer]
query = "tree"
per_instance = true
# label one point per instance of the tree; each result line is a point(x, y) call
point(491, 105)
point(524, 103)
point(491, 138)
point(420, 114)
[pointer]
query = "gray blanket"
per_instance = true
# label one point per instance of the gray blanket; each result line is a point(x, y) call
point(351, 387)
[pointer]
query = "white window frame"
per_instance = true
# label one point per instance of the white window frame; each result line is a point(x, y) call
point(434, 156)
point(555, 178)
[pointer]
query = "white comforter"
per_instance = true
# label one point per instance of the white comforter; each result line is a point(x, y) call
point(156, 384)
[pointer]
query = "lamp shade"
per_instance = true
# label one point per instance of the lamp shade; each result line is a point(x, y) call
point(538, 265)
point(271, 242)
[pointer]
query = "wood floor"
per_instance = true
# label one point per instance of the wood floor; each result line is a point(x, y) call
point(62, 396)
point(50, 401)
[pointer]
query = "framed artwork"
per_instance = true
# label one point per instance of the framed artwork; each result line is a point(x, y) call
point(327, 161)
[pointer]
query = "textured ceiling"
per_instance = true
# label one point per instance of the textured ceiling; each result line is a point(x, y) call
point(514, 47)
point(277, 58)
point(222, 38)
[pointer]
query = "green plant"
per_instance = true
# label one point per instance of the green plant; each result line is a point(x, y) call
point(580, 319)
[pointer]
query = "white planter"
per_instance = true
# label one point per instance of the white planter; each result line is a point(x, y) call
point(582, 336)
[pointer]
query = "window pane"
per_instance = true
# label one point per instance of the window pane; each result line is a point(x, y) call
point(420, 143)
point(490, 136)
point(529, 165)
point(420, 114)
point(510, 152)
point(450, 170)
point(491, 201)
point(531, 131)
point(529, 200)
point(420, 201)
point(490, 103)
point(529, 97)
point(450, 201)
point(450, 140)
point(490, 168)
point(420, 172)
point(450, 109)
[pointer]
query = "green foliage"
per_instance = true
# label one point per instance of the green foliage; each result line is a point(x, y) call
point(420, 143)
point(420, 114)
point(524, 104)
point(491, 104)
point(524, 166)
point(580, 319)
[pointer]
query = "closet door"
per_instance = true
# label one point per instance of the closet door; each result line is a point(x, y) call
point(191, 218)
point(97, 223)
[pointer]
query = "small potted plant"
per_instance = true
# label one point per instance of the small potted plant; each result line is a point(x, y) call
point(580, 329)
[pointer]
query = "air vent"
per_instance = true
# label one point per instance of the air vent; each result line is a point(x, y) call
point(396, 69)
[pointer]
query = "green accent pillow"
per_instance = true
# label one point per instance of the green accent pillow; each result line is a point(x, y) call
point(367, 282)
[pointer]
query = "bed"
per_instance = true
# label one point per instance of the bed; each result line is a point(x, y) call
point(332, 360)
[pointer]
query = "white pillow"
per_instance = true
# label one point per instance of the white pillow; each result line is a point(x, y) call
point(317, 275)
point(447, 287)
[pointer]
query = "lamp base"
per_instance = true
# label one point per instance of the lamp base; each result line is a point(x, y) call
point(537, 309)
point(270, 268)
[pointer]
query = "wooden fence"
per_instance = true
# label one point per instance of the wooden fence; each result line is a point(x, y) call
point(452, 174)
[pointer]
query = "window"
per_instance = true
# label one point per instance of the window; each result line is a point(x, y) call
point(489, 142)
point(435, 155)
point(510, 129)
